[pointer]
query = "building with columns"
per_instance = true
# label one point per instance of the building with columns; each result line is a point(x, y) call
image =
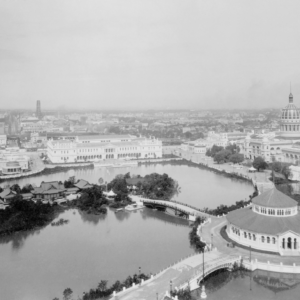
point(101, 147)
point(290, 120)
point(268, 148)
point(272, 224)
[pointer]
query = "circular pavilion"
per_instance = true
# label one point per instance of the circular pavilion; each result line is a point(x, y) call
point(271, 224)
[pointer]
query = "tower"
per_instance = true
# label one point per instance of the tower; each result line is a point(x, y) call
point(38, 112)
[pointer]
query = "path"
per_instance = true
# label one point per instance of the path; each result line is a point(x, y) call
point(179, 273)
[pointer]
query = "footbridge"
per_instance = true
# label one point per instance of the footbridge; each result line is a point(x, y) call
point(190, 212)
point(184, 273)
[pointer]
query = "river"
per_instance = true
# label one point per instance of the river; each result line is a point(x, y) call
point(39, 265)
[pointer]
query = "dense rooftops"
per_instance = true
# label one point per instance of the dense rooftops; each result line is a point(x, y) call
point(274, 199)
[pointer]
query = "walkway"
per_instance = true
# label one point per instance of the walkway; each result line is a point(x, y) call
point(180, 274)
point(181, 207)
point(260, 179)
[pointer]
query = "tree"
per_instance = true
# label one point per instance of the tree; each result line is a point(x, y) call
point(259, 163)
point(16, 188)
point(102, 285)
point(233, 148)
point(277, 166)
point(236, 158)
point(214, 150)
point(67, 293)
point(222, 156)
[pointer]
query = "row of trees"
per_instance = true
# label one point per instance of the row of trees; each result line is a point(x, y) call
point(103, 291)
point(25, 215)
point(228, 154)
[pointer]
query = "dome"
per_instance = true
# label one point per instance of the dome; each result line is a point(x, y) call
point(274, 199)
point(290, 112)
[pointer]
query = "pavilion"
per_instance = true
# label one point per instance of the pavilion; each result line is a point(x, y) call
point(272, 224)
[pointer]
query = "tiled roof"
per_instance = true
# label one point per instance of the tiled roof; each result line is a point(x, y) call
point(83, 184)
point(275, 199)
point(49, 188)
point(247, 219)
point(7, 193)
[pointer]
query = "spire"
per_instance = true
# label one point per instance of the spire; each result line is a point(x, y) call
point(291, 95)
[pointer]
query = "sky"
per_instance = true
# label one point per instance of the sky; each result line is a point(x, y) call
point(149, 54)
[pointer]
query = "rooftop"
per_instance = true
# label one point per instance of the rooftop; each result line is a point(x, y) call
point(275, 199)
point(247, 219)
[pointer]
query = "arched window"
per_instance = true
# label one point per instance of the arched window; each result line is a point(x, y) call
point(245, 234)
point(262, 239)
point(254, 237)
point(273, 240)
point(268, 240)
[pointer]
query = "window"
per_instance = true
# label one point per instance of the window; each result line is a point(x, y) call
point(268, 240)
point(273, 240)
point(262, 239)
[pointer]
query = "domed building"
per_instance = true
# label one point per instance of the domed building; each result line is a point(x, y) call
point(290, 120)
point(272, 224)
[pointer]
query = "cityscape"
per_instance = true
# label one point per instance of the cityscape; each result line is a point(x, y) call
point(149, 150)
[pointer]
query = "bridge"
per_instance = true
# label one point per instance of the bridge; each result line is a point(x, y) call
point(186, 272)
point(190, 212)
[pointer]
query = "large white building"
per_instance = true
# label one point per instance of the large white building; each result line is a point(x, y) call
point(101, 147)
point(272, 224)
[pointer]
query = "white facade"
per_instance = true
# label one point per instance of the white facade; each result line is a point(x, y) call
point(95, 148)
point(269, 149)
point(13, 163)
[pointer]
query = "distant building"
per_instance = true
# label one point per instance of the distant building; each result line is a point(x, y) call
point(268, 148)
point(101, 147)
point(290, 120)
point(38, 112)
point(13, 163)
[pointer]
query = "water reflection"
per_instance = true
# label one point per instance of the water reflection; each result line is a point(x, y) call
point(91, 218)
point(17, 240)
point(148, 213)
point(276, 282)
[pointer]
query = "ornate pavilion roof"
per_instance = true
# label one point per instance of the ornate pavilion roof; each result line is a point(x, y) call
point(247, 219)
point(274, 199)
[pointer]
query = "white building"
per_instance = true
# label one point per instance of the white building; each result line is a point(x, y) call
point(101, 147)
point(13, 163)
point(269, 149)
point(271, 224)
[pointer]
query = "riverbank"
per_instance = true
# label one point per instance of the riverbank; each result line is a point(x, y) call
point(52, 170)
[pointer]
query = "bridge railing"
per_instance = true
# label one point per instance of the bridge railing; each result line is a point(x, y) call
point(168, 204)
point(210, 267)
point(152, 277)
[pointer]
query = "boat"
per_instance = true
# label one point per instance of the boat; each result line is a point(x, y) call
point(133, 207)
point(119, 209)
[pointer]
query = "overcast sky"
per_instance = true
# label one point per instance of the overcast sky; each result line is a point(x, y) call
point(126, 54)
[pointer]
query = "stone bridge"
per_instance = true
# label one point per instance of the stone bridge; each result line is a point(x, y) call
point(186, 272)
point(189, 211)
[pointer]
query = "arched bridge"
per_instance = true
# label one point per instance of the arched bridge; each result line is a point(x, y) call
point(224, 262)
point(184, 273)
point(186, 210)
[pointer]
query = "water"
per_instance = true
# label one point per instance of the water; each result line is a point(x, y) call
point(252, 285)
point(201, 188)
point(41, 264)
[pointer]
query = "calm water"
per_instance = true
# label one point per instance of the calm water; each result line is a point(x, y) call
point(256, 285)
point(41, 264)
point(199, 187)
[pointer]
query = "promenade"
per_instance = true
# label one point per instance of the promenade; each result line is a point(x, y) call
point(260, 179)
point(180, 274)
